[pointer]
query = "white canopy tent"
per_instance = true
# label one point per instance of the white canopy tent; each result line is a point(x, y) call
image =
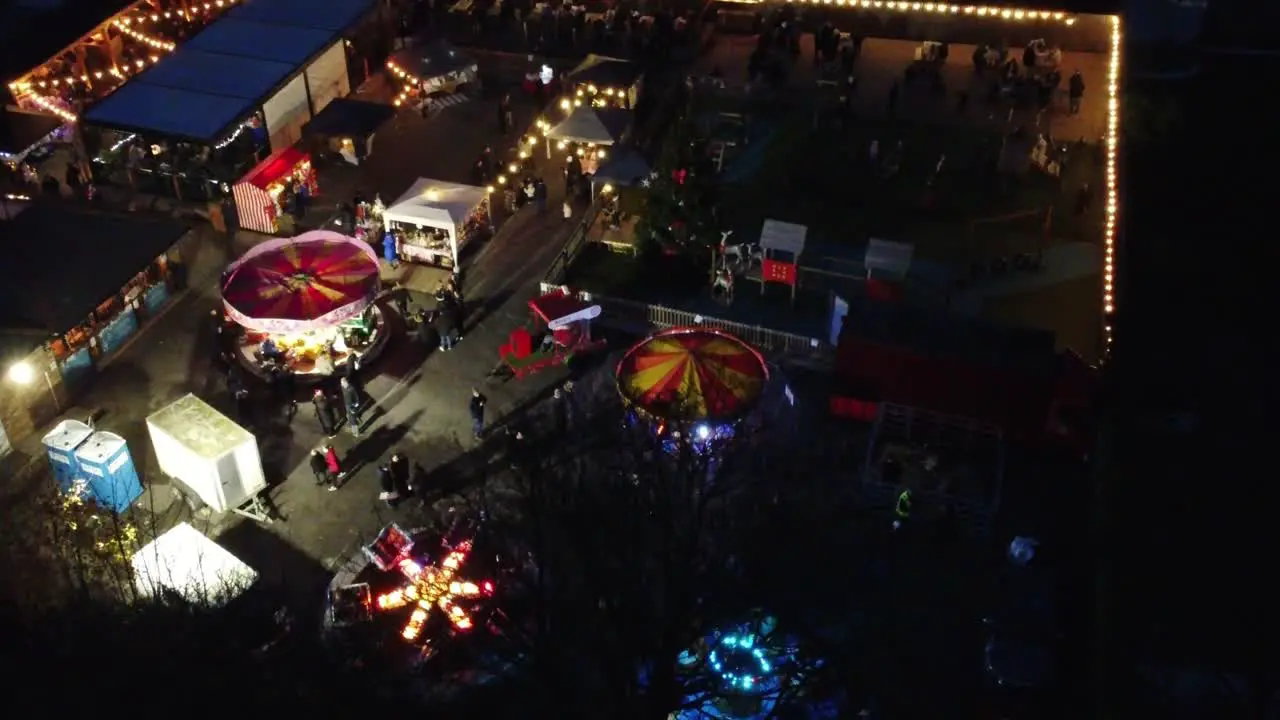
point(441, 205)
point(185, 562)
point(594, 126)
point(888, 258)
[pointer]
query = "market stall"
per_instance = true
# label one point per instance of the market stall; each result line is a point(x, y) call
point(602, 81)
point(435, 220)
point(437, 68)
point(281, 183)
point(306, 304)
point(347, 127)
point(589, 129)
point(185, 563)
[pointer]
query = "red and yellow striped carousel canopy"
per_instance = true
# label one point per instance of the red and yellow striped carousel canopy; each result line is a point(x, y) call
point(692, 374)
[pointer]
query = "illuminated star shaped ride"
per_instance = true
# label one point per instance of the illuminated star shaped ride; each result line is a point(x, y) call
point(433, 586)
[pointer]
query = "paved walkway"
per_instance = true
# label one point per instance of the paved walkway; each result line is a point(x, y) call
point(420, 397)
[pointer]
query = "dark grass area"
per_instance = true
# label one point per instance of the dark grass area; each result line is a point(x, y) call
point(825, 179)
point(677, 283)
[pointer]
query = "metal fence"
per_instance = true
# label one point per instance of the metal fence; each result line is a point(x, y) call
point(555, 275)
point(635, 316)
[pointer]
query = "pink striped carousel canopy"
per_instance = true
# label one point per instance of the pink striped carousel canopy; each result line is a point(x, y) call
point(313, 281)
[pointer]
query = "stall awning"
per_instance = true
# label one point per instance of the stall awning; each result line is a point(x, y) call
point(889, 258)
point(433, 60)
point(437, 204)
point(344, 117)
point(334, 16)
point(602, 126)
point(605, 72)
point(204, 89)
point(624, 168)
point(72, 260)
point(273, 168)
point(783, 237)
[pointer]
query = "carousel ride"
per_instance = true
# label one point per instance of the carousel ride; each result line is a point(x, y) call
point(305, 304)
point(749, 671)
point(692, 384)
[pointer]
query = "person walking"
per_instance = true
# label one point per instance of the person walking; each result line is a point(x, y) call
point(418, 483)
point(334, 467)
point(424, 328)
point(399, 466)
point(444, 328)
point(351, 402)
point(400, 298)
point(325, 412)
point(387, 486)
point(282, 386)
point(1075, 91)
point(320, 466)
point(568, 210)
point(478, 402)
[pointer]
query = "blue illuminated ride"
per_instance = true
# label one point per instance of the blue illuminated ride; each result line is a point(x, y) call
point(754, 666)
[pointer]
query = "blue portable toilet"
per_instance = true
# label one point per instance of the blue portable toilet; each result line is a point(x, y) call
point(61, 444)
point(105, 463)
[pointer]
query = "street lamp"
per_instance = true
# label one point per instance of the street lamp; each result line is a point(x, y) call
point(21, 373)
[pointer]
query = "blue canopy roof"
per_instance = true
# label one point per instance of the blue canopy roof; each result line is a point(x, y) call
point(217, 74)
point(228, 70)
point(330, 15)
point(294, 45)
point(139, 107)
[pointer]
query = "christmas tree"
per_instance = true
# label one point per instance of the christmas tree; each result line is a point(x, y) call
point(680, 202)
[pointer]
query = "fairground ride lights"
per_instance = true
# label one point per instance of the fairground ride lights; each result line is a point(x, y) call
point(410, 81)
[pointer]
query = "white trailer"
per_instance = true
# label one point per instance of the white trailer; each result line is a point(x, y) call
point(209, 457)
point(185, 562)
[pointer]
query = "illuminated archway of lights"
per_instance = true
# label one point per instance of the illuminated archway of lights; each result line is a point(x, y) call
point(433, 586)
point(1111, 140)
point(128, 25)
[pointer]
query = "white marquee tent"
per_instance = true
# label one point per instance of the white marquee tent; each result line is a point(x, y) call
point(597, 126)
point(186, 562)
point(438, 204)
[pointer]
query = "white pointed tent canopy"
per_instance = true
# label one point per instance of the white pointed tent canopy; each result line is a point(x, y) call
point(593, 126)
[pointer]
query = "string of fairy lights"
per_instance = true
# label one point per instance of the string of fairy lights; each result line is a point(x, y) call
point(128, 25)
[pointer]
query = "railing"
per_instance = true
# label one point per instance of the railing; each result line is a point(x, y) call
point(555, 275)
point(635, 316)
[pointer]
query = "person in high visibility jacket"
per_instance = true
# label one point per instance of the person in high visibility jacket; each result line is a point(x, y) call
point(902, 509)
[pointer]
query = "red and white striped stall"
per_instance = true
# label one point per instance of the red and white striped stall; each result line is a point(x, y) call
point(257, 194)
